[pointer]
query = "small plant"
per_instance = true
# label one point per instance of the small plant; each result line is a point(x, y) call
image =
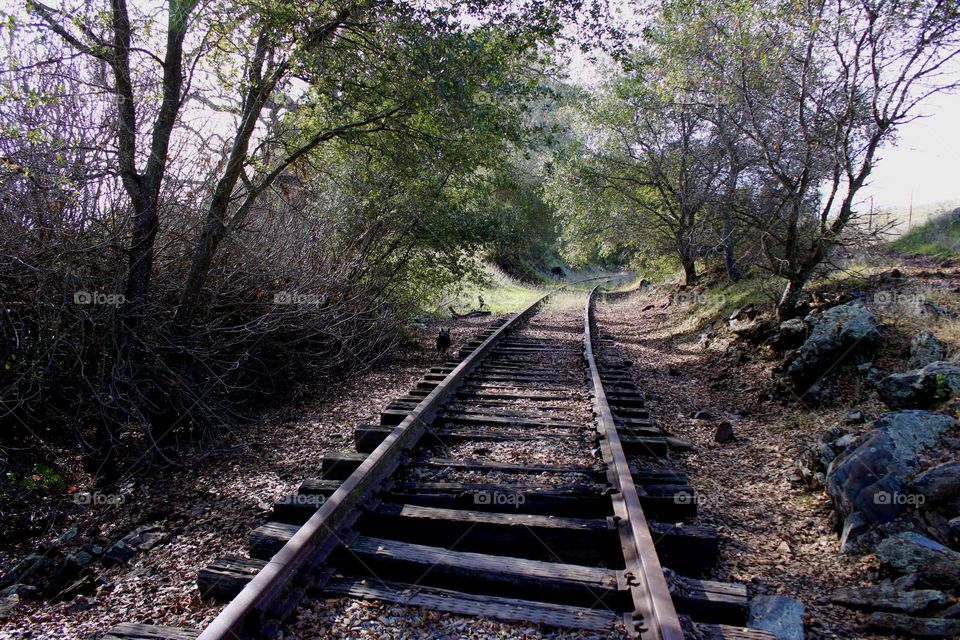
point(43, 477)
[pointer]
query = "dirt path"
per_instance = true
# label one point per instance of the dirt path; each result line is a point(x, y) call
point(774, 538)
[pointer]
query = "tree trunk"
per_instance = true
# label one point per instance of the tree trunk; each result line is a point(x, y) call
point(689, 262)
point(211, 235)
point(788, 306)
point(729, 246)
point(140, 256)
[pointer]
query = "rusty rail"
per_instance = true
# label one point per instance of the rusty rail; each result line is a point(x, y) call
point(653, 605)
point(278, 587)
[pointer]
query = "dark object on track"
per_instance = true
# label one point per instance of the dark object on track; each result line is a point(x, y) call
point(443, 341)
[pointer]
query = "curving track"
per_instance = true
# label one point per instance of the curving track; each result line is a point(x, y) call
point(501, 486)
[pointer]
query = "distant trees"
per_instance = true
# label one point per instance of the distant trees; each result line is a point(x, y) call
point(780, 110)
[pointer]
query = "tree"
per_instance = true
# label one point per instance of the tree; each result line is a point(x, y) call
point(655, 153)
point(823, 86)
point(114, 46)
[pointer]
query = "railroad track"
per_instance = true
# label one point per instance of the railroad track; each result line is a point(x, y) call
point(522, 480)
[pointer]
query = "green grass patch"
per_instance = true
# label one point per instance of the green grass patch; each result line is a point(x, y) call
point(715, 303)
point(939, 237)
point(501, 294)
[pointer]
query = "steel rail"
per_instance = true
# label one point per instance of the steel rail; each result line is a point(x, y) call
point(653, 604)
point(278, 587)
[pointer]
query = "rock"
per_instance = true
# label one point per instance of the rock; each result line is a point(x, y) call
point(845, 441)
point(68, 535)
point(753, 330)
point(870, 479)
point(910, 552)
point(790, 334)
point(923, 388)
point(142, 538)
point(119, 552)
point(677, 444)
point(887, 597)
point(80, 559)
point(939, 484)
point(8, 605)
point(916, 627)
point(854, 526)
point(32, 565)
point(854, 417)
point(954, 524)
point(925, 349)
point(21, 590)
point(780, 615)
point(724, 432)
point(841, 333)
point(873, 375)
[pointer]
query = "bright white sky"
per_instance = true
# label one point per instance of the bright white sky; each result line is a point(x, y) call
point(926, 160)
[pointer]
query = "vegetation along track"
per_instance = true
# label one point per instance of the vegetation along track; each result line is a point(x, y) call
point(522, 480)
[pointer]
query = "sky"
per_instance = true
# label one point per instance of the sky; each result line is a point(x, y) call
point(926, 160)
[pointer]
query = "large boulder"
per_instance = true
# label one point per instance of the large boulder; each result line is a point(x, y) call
point(921, 388)
point(780, 615)
point(889, 597)
point(790, 334)
point(910, 552)
point(868, 483)
point(841, 333)
point(925, 349)
point(901, 624)
point(812, 463)
point(938, 484)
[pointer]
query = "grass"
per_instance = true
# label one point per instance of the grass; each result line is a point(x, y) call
point(720, 301)
point(504, 295)
point(921, 215)
point(501, 293)
point(938, 237)
point(850, 276)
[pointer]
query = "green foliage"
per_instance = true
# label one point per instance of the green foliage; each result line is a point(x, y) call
point(43, 477)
